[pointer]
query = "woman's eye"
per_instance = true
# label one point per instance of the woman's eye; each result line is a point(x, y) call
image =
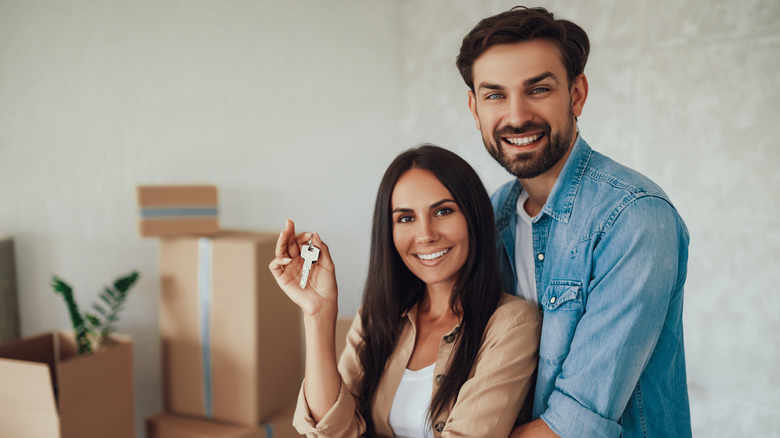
point(404, 219)
point(443, 211)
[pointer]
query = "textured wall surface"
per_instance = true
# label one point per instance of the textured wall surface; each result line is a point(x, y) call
point(294, 109)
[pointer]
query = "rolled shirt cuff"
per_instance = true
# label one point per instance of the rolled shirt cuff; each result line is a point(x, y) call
point(567, 418)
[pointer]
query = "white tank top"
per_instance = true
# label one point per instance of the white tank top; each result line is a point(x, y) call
point(409, 413)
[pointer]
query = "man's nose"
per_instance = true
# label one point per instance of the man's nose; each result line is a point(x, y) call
point(519, 112)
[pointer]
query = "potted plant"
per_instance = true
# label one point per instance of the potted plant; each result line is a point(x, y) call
point(60, 385)
point(90, 329)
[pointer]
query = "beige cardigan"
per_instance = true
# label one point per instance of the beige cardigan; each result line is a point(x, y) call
point(488, 402)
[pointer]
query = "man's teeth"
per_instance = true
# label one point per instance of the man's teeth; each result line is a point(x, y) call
point(523, 141)
point(435, 255)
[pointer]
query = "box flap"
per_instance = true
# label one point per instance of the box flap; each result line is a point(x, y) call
point(39, 348)
point(27, 407)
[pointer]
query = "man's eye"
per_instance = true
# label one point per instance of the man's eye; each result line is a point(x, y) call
point(494, 96)
point(540, 90)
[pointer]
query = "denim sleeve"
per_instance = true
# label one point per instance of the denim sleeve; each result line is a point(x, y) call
point(635, 270)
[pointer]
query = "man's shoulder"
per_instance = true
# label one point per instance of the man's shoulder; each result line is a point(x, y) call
point(611, 195)
point(609, 175)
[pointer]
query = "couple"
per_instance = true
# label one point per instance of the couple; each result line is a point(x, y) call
point(595, 250)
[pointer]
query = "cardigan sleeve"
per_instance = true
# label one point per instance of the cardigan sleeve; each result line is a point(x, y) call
point(343, 418)
point(489, 401)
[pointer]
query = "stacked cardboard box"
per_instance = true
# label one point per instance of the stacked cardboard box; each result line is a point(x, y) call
point(48, 390)
point(9, 306)
point(177, 210)
point(231, 340)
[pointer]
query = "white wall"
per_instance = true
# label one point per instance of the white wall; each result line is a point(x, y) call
point(290, 108)
point(295, 108)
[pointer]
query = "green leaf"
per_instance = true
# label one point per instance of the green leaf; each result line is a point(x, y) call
point(107, 299)
point(60, 286)
point(99, 308)
point(111, 294)
point(123, 284)
point(94, 320)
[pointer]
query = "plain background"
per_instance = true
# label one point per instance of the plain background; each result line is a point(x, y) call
point(294, 109)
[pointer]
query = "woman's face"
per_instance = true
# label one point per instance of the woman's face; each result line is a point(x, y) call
point(429, 229)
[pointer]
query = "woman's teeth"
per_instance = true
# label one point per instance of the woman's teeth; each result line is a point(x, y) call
point(523, 141)
point(435, 255)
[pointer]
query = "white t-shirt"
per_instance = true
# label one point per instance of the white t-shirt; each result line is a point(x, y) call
point(524, 253)
point(409, 413)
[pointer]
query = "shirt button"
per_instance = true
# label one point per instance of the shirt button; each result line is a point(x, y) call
point(438, 378)
point(552, 300)
point(438, 426)
point(449, 339)
point(540, 257)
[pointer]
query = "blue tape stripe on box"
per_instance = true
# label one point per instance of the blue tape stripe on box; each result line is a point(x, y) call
point(158, 213)
point(269, 431)
point(204, 295)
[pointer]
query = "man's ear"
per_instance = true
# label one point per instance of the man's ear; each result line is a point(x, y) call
point(579, 94)
point(473, 109)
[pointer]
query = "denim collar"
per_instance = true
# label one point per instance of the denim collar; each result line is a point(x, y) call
point(561, 199)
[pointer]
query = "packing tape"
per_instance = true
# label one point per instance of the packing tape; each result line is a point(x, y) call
point(177, 212)
point(269, 431)
point(204, 296)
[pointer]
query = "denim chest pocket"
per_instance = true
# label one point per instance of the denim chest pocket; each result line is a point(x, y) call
point(563, 295)
point(563, 305)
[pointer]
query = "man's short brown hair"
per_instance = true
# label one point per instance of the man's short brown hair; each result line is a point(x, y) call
point(524, 24)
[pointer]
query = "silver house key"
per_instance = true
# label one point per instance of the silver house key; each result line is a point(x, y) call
point(310, 255)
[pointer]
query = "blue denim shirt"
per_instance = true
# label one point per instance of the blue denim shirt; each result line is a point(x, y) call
point(610, 252)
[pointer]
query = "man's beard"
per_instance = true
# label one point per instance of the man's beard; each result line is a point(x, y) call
point(531, 164)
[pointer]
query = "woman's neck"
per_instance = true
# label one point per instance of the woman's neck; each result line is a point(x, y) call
point(436, 302)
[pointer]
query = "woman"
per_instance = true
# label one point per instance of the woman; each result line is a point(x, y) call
point(437, 349)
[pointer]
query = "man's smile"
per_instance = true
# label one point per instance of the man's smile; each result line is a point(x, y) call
point(523, 141)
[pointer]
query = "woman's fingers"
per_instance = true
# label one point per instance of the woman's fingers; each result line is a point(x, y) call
point(281, 246)
point(324, 261)
point(292, 246)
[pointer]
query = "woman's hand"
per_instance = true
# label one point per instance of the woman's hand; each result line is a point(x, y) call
point(320, 297)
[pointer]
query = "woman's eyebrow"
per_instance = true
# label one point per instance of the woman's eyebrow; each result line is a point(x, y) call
point(439, 203)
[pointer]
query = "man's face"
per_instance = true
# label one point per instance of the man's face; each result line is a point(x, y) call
point(524, 107)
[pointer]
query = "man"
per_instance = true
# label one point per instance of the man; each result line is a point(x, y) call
point(597, 245)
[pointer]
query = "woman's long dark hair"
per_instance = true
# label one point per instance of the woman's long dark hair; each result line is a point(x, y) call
point(391, 289)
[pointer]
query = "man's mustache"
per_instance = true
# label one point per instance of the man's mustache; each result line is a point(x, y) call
point(525, 128)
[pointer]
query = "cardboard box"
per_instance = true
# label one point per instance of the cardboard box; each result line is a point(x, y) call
point(9, 302)
point(231, 338)
point(177, 210)
point(171, 426)
point(93, 392)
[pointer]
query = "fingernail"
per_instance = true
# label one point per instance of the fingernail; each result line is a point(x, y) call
point(286, 260)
